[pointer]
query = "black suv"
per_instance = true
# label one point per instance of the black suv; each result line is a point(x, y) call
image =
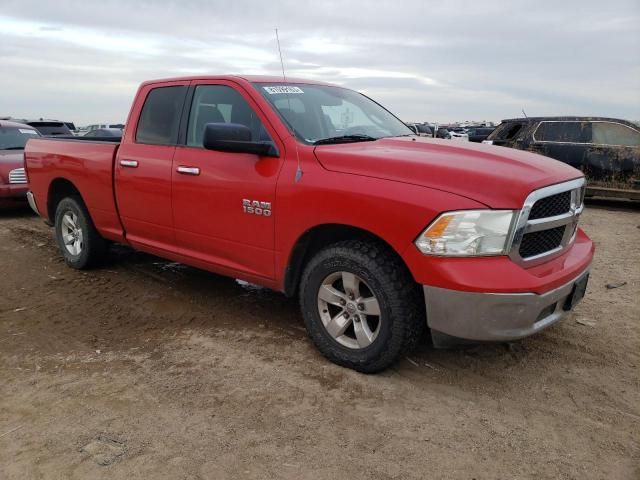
point(607, 150)
point(50, 127)
point(478, 134)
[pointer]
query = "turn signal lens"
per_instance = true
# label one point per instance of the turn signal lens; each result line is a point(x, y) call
point(467, 233)
point(439, 227)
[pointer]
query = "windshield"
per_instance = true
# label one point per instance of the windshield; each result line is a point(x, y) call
point(320, 113)
point(13, 138)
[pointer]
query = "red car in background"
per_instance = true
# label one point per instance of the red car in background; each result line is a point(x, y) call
point(13, 179)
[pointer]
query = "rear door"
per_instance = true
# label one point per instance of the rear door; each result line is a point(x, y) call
point(613, 155)
point(224, 203)
point(143, 168)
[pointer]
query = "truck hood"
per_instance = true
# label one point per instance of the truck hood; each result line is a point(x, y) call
point(499, 177)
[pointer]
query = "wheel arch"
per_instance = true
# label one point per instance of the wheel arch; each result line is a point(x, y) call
point(59, 188)
point(318, 237)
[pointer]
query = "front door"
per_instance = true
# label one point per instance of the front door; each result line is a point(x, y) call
point(224, 203)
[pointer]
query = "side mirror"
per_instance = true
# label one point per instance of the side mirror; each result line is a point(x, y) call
point(234, 137)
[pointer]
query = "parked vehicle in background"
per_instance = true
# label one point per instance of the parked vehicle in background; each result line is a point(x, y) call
point(443, 133)
point(104, 133)
point(100, 126)
point(424, 130)
point(478, 134)
point(71, 126)
point(13, 179)
point(50, 127)
point(318, 191)
point(458, 134)
point(607, 150)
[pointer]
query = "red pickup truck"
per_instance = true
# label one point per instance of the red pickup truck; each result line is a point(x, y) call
point(318, 191)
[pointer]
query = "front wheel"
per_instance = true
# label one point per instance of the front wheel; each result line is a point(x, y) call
point(78, 240)
point(361, 307)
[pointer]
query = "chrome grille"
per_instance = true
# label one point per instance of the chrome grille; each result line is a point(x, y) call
point(18, 176)
point(547, 223)
point(551, 206)
point(535, 243)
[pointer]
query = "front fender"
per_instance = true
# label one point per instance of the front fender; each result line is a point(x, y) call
point(392, 211)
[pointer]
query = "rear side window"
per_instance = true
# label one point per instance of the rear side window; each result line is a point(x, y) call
point(160, 116)
point(563, 132)
point(608, 133)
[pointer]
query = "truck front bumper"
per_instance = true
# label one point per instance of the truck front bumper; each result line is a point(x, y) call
point(13, 191)
point(499, 316)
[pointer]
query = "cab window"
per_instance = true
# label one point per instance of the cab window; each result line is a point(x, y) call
point(608, 133)
point(221, 104)
point(160, 116)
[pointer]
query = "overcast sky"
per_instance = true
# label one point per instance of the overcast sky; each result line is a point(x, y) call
point(437, 61)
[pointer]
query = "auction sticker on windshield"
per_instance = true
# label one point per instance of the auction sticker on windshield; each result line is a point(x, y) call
point(282, 89)
point(26, 130)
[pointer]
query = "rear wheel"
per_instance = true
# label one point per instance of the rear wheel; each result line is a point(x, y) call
point(360, 305)
point(78, 240)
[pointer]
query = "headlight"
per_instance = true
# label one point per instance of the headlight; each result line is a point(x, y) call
point(467, 233)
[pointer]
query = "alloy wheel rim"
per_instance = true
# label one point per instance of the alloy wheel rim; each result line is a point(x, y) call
point(72, 235)
point(349, 310)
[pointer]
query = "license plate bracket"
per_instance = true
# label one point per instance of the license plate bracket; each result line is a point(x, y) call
point(577, 293)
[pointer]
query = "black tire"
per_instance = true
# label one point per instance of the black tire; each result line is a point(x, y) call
point(93, 248)
point(402, 321)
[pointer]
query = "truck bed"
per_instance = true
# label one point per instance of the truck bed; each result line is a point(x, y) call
point(86, 165)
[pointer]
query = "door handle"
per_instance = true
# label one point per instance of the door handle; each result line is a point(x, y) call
point(188, 170)
point(129, 163)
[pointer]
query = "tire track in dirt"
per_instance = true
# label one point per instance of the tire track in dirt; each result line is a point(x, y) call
point(198, 376)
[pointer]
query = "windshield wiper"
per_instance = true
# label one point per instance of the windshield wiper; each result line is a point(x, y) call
point(12, 148)
point(345, 139)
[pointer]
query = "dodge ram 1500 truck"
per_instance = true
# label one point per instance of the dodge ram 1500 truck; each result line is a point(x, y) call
point(318, 191)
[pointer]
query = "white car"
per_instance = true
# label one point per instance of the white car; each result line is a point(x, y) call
point(459, 136)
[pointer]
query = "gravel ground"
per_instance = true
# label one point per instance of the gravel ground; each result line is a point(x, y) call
point(149, 369)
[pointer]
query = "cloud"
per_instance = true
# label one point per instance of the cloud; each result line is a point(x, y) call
point(82, 60)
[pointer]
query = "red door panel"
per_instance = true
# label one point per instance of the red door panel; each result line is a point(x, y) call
point(209, 217)
point(143, 189)
point(143, 169)
point(210, 221)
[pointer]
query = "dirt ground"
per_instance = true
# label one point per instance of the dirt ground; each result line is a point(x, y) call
point(149, 369)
